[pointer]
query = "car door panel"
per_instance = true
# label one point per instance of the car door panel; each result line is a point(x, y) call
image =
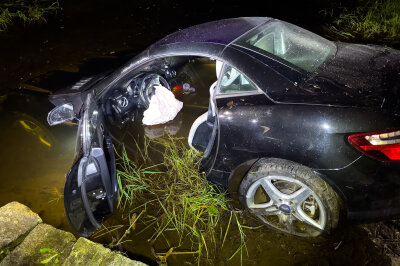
point(90, 192)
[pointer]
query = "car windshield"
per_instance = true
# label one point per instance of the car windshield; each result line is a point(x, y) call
point(293, 44)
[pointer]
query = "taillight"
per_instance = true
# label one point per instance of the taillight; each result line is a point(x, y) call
point(384, 146)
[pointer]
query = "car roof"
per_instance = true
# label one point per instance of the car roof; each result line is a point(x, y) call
point(220, 32)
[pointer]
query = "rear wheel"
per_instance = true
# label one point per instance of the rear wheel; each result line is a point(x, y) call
point(290, 197)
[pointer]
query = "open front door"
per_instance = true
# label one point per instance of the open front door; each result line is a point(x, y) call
point(90, 193)
point(203, 134)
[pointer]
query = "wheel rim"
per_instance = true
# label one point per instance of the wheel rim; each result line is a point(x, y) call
point(287, 204)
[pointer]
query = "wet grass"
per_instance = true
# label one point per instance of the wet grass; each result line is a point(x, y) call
point(368, 21)
point(174, 198)
point(25, 11)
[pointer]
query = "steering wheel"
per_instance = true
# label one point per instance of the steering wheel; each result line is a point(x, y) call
point(147, 89)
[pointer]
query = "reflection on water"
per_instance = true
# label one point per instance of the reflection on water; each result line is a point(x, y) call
point(170, 128)
point(34, 157)
point(31, 125)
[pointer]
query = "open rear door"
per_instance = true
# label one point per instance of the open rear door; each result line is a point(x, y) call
point(90, 193)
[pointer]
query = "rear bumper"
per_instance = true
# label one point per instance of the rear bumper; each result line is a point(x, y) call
point(370, 189)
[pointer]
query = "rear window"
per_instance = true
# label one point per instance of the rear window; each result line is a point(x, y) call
point(293, 44)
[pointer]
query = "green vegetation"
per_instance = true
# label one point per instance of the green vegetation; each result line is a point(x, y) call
point(54, 255)
point(4, 253)
point(175, 199)
point(26, 11)
point(368, 21)
point(57, 195)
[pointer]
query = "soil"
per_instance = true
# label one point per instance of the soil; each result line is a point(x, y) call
point(386, 237)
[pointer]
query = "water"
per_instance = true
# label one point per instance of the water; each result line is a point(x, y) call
point(34, 157)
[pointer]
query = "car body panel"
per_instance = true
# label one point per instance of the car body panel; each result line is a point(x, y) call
point(90, 193)
point(313, 137)
point(371, 189)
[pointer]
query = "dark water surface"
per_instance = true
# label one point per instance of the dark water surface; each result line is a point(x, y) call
point(35, 158)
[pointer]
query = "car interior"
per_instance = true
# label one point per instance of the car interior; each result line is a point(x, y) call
point(192, 80)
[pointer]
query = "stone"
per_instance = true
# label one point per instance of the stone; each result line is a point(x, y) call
point(25, 240)
point(16, 221)
point(86, 252)
point(42, 243)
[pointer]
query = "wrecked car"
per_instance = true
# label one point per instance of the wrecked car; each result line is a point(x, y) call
point(300, 130)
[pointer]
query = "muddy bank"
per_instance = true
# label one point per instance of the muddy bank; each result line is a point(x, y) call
point(386, 238)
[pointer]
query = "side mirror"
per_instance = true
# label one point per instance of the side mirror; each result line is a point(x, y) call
point(61, 114)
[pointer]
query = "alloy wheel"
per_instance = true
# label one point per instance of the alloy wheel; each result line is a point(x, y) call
point(287, 204)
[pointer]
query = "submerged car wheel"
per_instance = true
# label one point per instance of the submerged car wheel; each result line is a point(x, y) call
point(290, 197)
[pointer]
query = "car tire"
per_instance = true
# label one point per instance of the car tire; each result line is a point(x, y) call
point(290, 197)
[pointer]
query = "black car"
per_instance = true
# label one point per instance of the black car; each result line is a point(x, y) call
point(299, 128)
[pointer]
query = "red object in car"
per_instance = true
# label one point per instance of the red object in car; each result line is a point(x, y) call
point(177, 89)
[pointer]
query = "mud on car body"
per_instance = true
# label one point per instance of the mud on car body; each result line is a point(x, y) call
point(297, 128)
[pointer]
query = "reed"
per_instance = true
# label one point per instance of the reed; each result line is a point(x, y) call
point(175, 198)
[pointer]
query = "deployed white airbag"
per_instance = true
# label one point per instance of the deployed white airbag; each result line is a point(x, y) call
point(163, 107)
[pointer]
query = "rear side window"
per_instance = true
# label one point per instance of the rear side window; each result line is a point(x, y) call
point(234, 82)
point(293, 44)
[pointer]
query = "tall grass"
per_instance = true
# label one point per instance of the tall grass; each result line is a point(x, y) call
point(176, 200)
point(25, 11)
point(369, 21)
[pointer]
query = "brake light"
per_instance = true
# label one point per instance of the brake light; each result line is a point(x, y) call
point(384, 146)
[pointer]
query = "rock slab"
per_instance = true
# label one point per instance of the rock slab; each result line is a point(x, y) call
point(53, 242)
point(25, 240)
point(16, 220)
point(86, 252)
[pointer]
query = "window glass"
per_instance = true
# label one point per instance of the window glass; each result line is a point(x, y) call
point(234, 82)
point(291, 43)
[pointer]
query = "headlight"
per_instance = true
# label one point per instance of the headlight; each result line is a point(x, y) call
point(61, 114)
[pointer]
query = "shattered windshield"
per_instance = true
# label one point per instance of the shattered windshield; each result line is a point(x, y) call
point(293, 44)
